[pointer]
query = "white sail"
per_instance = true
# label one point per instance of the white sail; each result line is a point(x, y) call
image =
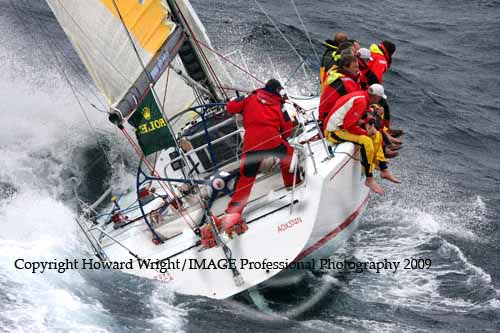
point(96, 31)
point(117, 39)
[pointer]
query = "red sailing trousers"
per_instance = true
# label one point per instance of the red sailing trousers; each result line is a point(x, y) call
point(249, 167)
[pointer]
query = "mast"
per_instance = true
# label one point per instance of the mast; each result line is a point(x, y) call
point(126, 46)
point(189, 53)
point(152, 73)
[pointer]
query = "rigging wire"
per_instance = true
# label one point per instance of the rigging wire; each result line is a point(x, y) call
point(292, 73)
point(274, 68)
point(129, 36)
point(281, 33)
point(151, 81)
point(62, 72)
point(166, 88)
point(229, 61)
point(305, 30)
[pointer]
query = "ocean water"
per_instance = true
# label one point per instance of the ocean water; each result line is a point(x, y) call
point(443, 92)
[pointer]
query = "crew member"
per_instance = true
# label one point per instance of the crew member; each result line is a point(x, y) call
point(327, 58)
point(356, 45)
point(349, 120)
point(364, 56)
point(267, 125)
point(339, 82)
point(381, 55)
point(381, 62)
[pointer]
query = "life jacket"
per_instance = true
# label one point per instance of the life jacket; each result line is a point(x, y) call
point(336, 57)
point(338, 83)
point(327, 59)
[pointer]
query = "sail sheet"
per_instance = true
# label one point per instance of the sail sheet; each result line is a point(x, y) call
point(96, 31)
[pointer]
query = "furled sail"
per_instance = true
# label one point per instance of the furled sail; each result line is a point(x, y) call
point(117, 65)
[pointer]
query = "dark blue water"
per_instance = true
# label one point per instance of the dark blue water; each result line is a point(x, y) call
point(443, 92)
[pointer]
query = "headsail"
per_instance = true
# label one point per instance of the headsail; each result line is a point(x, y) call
point(126, 46)
point(104, 45)
point(97, 33)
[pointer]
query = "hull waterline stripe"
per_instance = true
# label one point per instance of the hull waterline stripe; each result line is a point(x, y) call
point(332, 233)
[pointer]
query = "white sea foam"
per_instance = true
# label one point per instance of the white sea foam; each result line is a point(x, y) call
point(413, 233)
point(37, 226)
point(43, 127)
point(168, 318)
point(41, 301)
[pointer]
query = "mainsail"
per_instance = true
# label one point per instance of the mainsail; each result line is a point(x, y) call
point(97, 33)
point(126, 46)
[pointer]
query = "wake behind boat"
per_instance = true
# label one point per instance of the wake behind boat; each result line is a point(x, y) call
point(155, 64)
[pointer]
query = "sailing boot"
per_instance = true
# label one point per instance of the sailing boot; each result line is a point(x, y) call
point(233, 223)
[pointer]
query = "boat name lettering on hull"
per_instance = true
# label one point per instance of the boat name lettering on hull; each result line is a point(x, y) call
point(290, 224)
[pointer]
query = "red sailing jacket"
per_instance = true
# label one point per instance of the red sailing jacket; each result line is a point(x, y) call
point(265, 124)
point(379, 65)
point(339, 83)
point(347, 112)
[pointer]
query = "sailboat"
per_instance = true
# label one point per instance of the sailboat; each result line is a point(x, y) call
point(153, 62)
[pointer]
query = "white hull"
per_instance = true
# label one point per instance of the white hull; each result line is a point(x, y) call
point(308, 223)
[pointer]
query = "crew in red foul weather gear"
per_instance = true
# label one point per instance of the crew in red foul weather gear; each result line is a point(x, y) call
point(350, 121)
point(382, 59)
point(364, 56)
point(267, 126)
point(379, 64)
point(331, 47)
point(339, 82)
